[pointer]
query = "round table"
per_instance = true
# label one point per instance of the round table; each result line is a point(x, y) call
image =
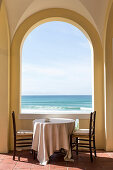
point(51, 136)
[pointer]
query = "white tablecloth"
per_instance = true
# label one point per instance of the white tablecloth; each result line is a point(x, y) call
point(51, 136)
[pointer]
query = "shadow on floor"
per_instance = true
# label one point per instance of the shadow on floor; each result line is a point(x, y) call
point(103, 161)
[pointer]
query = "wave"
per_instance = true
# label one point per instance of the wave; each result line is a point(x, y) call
point(51, 107)
point(61, 108)
point(85, 108)
point(36, 111)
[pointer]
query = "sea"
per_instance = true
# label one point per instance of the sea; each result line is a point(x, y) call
point(44, 104)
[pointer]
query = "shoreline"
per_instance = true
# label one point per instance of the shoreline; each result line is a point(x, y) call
point(33, 111)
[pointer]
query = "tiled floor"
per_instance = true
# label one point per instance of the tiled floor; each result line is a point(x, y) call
point(103, 161)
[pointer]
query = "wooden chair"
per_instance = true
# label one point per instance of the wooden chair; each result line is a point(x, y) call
point(22, 138)
point(84, 138)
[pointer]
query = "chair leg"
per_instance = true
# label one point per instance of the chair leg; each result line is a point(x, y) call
point(21, 152)
point(14, 151)
point(19, 157)
point(71, 144)
point(76, 145)
point(33, 155)
point(90, 150)
point(94, 146)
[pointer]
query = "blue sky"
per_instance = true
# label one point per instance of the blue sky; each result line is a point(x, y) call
point(56, 60)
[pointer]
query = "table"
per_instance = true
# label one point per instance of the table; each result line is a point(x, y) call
point(51, 136)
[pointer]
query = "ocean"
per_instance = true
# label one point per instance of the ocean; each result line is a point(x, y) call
point(56, 103)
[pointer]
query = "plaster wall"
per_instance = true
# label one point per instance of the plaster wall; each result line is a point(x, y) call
point(4, 79)
point(109, 81)
point(93, 10)
point(17, 13)
point(97, 9)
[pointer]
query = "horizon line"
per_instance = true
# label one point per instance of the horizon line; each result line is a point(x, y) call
point(56, 95)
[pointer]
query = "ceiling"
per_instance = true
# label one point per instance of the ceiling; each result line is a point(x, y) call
point(93, 10)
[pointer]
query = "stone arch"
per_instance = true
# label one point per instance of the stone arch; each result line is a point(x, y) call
point(89, 30)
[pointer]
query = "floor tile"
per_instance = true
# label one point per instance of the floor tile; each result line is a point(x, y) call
point(7, 166)
point(103, 161)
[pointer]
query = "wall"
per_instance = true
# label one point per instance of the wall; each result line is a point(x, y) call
point(4, 79)
point(109, 82)
point(89, 30)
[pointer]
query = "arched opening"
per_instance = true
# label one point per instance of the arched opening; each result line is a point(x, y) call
point(85, 26)
point(57, 70)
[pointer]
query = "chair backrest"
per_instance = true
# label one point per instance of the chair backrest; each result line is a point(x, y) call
point(14, 123)
point(92, 123)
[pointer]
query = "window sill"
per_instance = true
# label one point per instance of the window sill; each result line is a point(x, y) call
point(57, 115)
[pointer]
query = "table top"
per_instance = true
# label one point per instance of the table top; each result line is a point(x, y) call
point(54, 121)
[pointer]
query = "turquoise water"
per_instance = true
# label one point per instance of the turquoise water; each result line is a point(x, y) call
point(53, 103)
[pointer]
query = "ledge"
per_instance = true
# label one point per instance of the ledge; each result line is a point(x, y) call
point(55, 115)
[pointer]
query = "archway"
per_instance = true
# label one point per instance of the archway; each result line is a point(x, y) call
point(91, 33)
point(56, 71)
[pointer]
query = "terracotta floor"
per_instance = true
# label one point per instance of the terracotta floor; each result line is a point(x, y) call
point(103, 161)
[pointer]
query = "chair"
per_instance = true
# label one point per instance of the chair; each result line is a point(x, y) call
point(22, 138)
point(85, 137)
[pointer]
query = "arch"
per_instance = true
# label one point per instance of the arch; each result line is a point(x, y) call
point(4, 78)
point(37, 5)
point(109, 80)
point(85, 26)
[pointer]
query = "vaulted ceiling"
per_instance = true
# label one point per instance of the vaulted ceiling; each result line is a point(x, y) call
point(94, 10)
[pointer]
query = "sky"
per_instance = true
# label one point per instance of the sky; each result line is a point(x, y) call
point(56, 60)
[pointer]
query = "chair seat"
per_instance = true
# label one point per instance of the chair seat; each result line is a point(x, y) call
point(81, 132)
point(23, 148)
point(24, 132)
